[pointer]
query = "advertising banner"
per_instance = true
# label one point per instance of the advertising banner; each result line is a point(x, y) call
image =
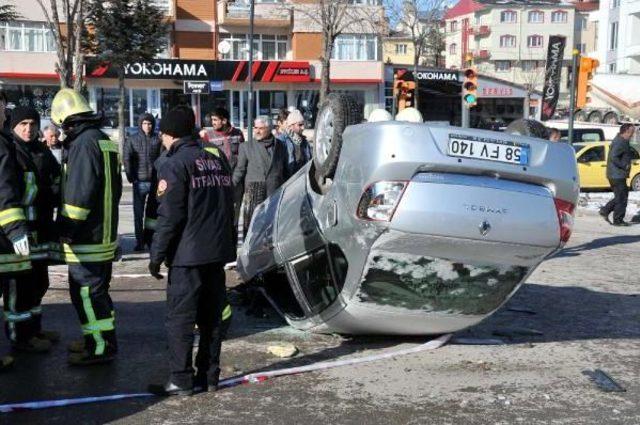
point(553, 72)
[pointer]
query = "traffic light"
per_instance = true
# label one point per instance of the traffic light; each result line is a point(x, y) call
point(470, 88)
point(398, 81)
point(587, 68)
point(406, 95)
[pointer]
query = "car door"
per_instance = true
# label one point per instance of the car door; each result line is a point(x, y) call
point(592, 167)
point(635, 169)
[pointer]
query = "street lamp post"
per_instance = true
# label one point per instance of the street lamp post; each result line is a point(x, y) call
point(250, 100)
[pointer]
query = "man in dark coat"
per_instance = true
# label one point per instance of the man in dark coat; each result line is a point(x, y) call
point(42, 179)
point(139, 153)
point(262, 167)
point(194, 236)
point(618, 167)
point(14, 247)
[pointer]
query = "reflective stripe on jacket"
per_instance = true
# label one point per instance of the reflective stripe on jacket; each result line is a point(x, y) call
point(91, 193)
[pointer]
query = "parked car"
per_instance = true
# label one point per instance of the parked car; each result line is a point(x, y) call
point(584, 135)
point(592, 165)
point(405, 228)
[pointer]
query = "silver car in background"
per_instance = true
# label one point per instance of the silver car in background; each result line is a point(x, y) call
point(409, 228)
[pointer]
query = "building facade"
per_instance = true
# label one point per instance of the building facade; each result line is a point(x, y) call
point(214, 34)
point(509, 39)
point(619, 37)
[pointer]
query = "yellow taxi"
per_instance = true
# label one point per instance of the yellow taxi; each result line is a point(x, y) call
point(592, 165)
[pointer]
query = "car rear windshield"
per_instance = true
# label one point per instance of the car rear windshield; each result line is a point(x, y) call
point(438, 285)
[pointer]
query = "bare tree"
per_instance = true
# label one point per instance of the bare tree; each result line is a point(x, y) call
point(67, 15)
point(333, 18)
point(125, 31)
point(8, 13)
point(420, 21)
point(532, 78)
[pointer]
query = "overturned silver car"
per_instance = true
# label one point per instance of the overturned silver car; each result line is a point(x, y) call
point(404, 228)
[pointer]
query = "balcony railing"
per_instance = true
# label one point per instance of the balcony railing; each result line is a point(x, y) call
point(265, 13)
point(482, 30)
point(482, 54)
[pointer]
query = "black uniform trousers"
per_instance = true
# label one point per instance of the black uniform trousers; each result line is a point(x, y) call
point(17, 292)
point(40, 276)
point(195, 296)
point(89, 290)
point(619, 202)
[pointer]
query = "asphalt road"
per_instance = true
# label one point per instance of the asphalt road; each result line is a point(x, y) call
point(582, 312)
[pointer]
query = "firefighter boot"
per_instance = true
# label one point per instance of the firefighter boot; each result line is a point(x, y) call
point(87, 359)
point(76, 346)
point(33, 345)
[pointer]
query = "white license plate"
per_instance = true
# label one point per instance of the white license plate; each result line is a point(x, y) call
point(490, 151)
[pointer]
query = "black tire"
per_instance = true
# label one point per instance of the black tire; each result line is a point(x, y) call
point(595, 117)
point(580, 116)
point(611, 118)
point(635, 183)
point(336, 113)
point(527, 127)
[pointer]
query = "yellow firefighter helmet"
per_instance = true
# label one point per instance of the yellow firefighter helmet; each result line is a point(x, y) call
point(66, 103)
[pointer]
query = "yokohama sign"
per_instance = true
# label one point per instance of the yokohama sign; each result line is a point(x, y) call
point(184, 70)
point(551, 90)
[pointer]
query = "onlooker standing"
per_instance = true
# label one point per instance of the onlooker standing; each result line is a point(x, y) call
point(618, 167)
point(228, 139)
point(140, 152)
point(225, 136)
point(262, 166)
point(50, 138)
point(298, 149)
point(281, 122)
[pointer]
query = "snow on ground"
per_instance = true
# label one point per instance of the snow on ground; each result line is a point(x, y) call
point(592, 201)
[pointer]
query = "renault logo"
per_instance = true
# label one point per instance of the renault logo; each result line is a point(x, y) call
point(484, 228)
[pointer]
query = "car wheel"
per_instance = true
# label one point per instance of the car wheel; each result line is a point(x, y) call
point(635, 183)
point(595, 117)
point(580, 116)
point(610, 118)
point(337, 112)
point(526, 127)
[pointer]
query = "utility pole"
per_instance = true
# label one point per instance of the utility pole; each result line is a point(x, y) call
point(250, 100)
point(572, 94)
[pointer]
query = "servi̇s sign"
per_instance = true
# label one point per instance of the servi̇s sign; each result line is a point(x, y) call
point(553, 73)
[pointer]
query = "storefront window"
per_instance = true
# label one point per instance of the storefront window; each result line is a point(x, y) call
point(270, 102)
point(39, 97)
point(107, 102)
point(173, 98)
point(139, 105)
point(217, 99)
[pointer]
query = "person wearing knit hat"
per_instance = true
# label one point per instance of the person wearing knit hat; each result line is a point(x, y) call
point(194, 236)
point(298, 148)
point(29, 117)
point(42, 180)
point(178, 122)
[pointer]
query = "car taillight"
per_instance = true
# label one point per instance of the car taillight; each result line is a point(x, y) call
point(565, 218)
point(379, 200)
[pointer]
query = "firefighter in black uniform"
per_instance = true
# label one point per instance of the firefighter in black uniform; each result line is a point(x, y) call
point(42, 181)
point(88, 223)
point(14, 249)
point(194, 236)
